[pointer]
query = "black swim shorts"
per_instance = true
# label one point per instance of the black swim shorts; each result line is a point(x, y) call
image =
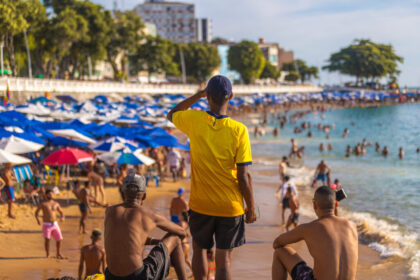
point(229, 232)
point(285, 203)
point(155, 266)
point(295, 218)
point(302, 271)
point(83, 207)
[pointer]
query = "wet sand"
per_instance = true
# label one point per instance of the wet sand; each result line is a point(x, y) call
point(22, 252)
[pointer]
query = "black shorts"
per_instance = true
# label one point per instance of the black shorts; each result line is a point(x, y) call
point(229, 232)
point(302, 271)
point(155, 266)
point(295, 218)
point(83, 207)
point(285, 203)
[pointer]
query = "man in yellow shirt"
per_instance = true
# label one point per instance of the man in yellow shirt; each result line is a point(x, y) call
point(220, 181)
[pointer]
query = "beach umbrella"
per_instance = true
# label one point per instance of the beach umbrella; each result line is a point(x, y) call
point(67, 156)
point(126, 157)
point(61, 141)
point(17, 145)
point(66, 98)
point(113, 144)
point(165, 124)
point(6, 157)
point(42, 100)
point(73, 135)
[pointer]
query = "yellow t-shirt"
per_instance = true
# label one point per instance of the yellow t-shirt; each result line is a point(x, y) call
point(218, 144)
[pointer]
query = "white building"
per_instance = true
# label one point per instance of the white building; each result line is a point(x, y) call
point(174, 20)
point(203, 30)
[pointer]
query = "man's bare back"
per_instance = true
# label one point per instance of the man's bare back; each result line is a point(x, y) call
point(332, 242)
point(125, 244)
point(334, 247)
point(93, 256)
point(178, 205)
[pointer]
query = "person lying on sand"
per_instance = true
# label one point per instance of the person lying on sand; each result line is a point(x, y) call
point(127, 229)
point(49, 223)
point(332, 242)
point(93, 256)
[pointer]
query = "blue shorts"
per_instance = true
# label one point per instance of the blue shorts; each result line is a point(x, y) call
point(10, 192)
point(175, 219)
point(322, 177)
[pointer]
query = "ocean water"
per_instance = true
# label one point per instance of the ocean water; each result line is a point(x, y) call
point(383, 193)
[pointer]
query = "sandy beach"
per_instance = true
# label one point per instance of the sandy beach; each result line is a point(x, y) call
point(22, 252)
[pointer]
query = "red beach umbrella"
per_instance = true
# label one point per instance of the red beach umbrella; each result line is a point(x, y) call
point(67, 156)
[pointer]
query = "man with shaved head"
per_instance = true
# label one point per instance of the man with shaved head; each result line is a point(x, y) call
point(332, 241)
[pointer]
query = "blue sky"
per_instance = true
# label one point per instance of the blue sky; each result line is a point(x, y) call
point(314, 29)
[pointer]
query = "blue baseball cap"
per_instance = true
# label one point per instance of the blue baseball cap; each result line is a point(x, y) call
point(219, 86)
point(181, 191)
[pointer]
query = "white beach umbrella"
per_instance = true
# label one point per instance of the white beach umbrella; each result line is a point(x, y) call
point(145, 159)
point(6, 157)
point(165, 124)
point(14, 129)
point(116, 156)
point(72, 135)
point(17, 145)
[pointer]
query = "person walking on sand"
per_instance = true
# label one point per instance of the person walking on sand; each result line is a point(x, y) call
point(49, 223)
point(120, 178)
point(9, 179)
point(220, 181)
point(332, 242)
point(92, 256)
point(86, 198)
point(174, 159)
point(127, 229)
point(294, 208)
point(283, 167)
point(97, 182)
point(287, 183)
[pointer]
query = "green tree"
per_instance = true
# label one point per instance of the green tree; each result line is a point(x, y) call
point(125, 33)
point(247, 59)
point(200, 60)
point(155, 55)
point(220, 41)
point(16, 16)
point(365, 59)
point(299, 66)
point(270, 71)
point(292, 76)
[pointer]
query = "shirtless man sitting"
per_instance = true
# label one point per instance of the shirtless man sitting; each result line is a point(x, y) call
point(332, 242)
point(93, 255)
point(294, 208)
point(127, 229)
point(179, 215)
point(49, 223)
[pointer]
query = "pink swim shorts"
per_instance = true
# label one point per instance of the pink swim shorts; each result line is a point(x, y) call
point(51, 229)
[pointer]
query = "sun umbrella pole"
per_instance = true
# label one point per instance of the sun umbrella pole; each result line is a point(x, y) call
point(67, 180)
